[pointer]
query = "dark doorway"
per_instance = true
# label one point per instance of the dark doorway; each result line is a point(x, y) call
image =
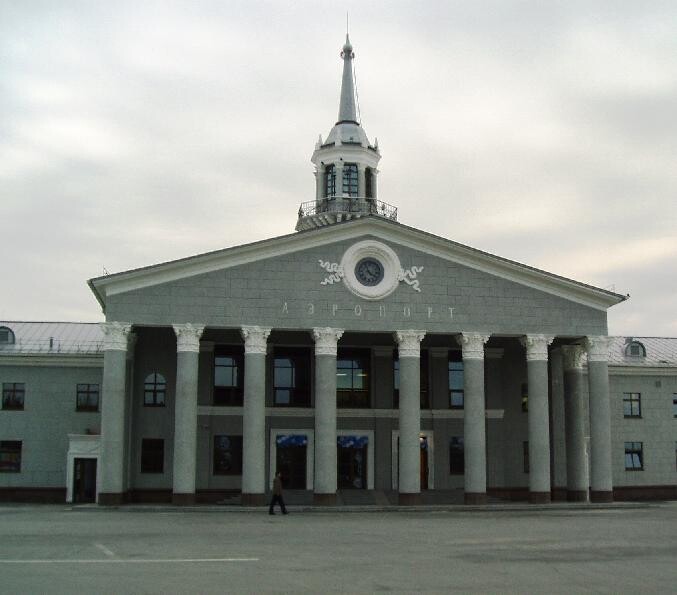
point(352, 462)
point(424, 462)
point(84, 480)
point(291, 461)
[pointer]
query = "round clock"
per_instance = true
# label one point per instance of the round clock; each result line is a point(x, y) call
point(369, 272)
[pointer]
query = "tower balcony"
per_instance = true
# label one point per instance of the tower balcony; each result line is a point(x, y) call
point(327, 211)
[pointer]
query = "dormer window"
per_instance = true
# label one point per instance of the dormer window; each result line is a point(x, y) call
point(350, 179)
point(329, 181)
point(6, 336)
point(635, 349)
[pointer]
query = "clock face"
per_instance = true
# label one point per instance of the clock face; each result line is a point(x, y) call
point(369, 272)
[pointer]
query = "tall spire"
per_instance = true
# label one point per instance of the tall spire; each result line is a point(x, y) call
point(347, 111)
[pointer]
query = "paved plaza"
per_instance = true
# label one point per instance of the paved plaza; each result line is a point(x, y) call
point(52, 549)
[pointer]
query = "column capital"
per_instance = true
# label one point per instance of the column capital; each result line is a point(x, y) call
point(326, 339)
point(255, 339)
point(409, 342)
point(597, 348)
point(536, 346)
point(573, 356)
point(472, 344)
point(188, 337)
point(115, 335)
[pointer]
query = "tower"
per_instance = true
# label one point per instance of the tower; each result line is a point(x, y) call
point(345, 166)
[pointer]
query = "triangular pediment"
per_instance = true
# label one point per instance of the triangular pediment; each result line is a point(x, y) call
point(372, 227)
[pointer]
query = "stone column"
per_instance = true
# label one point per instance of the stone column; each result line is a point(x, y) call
point(601, 485)
point(474, 422)
point(409, 348)
point(539, 418)
point(113, 412)
point(559, 454)
point(185, 412)
point(254, 416)
point(574, 410)
point(325, 414)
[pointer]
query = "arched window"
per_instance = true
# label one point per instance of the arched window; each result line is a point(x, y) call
point(635, 349)
point(154, 390)
point(6, 336)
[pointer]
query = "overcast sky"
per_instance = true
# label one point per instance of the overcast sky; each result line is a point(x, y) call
point(133, 133)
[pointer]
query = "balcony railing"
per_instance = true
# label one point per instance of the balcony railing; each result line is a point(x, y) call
point(348, 206)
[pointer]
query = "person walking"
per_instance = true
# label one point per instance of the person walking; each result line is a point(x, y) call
point(277, 494)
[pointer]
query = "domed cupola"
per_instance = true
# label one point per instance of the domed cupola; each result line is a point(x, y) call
point(345, 166)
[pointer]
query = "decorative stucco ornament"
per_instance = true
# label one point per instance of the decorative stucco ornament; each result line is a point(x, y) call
point(371, 270)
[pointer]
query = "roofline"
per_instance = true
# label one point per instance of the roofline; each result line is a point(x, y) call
point(605, 298)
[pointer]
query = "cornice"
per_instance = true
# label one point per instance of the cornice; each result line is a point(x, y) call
point(61, 361)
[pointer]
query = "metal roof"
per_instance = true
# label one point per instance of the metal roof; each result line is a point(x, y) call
point(53, 337)
point(660, 352)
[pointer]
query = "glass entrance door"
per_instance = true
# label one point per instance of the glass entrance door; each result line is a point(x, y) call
point(291, 461)
point(352, 462)
point(84, 480)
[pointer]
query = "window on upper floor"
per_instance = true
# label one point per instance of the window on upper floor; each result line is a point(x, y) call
point(368, 182)
point(152, 455)
point(154, 390)
point(632, 405)
point(634, 456)
point(227, 455)
point(229, 376)
point(13, 394)
point(291, 378)
point(456, 456)
point(456, 397)
point(635, 349)
point(87, 397)
point(352, 378)
point(350, 179)
point(674, 405)
point(6, 336)
point(329, 181)
point(525, 397)
point(423, 382)
point(10, 456)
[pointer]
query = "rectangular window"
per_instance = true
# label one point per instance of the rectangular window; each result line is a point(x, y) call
point(456, 456)
point(350, 179)
point(674, 405)
point(154, 390)
point(87, 398)
point(634, 457)
point(632, 405)
point(13, 395)
point(329, 181)
point(455, 380)
point(10, 456)
point(152, 455)
point(228, 376)
point(227, 455)
point(423, 381)
point(525, 457)
point(352, 379)
point(291, 378)
point(525, 397)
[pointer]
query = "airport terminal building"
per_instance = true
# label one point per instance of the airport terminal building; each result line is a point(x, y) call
point(367, 360)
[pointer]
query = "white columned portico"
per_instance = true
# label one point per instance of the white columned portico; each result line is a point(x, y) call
point(409, 350)
point(574, 411)
point(539, 427)
point(326, 340)
point(601, 484)
point(474, 423)
point(254, 416)
point(185, 412)
point(113, 412)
